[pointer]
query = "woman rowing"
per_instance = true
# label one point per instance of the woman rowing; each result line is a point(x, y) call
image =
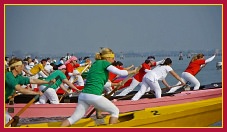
point(71, 73)
point(197, 62)
point(151, 78)
point(14, 81)
point(93, 89)
point(50, 93)
point(137, 79)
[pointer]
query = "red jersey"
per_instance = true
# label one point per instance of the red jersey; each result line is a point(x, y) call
point(141, 73)
point(69, 69)
point(76, 65)
point(194, 67)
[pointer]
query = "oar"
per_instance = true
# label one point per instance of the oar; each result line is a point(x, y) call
point(29, 103)
point(11, 102)
point(64, 94)
point(115, 89)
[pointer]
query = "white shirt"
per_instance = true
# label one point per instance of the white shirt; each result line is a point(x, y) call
point(158, 73)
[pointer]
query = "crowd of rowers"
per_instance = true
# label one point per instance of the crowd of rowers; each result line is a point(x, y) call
point(98, 80)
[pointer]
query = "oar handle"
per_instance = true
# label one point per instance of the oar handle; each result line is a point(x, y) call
point(30, 102)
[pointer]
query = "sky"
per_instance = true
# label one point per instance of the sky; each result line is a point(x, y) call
point(125, 28)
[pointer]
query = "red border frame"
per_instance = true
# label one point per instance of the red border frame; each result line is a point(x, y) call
point(3, 2)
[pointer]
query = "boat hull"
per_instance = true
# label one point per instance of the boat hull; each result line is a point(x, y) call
point(193, 114)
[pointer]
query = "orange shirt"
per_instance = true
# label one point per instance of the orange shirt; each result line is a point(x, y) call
point(141, 73)
point(194, 67)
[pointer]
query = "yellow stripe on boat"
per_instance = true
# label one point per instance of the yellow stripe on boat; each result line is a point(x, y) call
point(192, 114)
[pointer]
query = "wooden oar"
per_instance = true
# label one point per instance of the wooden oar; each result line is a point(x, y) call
point(29, 103)
point(11, 102)
point(115, 89)
point(64, 94)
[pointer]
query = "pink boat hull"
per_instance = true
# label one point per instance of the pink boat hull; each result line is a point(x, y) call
point(66, 109)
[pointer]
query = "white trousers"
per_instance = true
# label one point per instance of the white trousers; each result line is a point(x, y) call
point(187, 77)
point(148, 85)
point(50, 94)
point(128, 89)
point(99, 102)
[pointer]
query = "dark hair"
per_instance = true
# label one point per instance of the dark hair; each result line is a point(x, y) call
point(86, 57)
point(167, 61)
point(150, 57)
point(119, 63)
point(147, 61)
point(55, 67)
point(44, 60)
point(114, 63)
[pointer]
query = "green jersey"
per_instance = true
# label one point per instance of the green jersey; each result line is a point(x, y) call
point(11, 81)
point(53, 76)
point(97, 77)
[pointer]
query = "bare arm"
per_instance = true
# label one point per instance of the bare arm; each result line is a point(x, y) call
point(38, 81)
point(27, 73)
point(174, 74)
point(63, 88)
point(45, 72)
point(26, 91)
point(128, 68)
point(166, 84)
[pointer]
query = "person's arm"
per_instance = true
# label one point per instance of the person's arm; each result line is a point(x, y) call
point(63, 88)
point(117, 71)
point(38, 81)
point(70, 84)
point(160, 62)
point(174, 74)
point(210, 59)
point(45, 72)
point(26, 91)
point(128, 68)
point(147, 70)
point(27, 73)
point(166, 84)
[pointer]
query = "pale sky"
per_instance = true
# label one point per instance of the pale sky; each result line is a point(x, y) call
point(62, 29)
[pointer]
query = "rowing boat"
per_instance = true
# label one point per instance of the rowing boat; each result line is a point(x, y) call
point(201, 113)
point(66, 109)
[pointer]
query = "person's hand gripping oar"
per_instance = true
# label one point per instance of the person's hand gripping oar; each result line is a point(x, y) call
point(31, 102)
